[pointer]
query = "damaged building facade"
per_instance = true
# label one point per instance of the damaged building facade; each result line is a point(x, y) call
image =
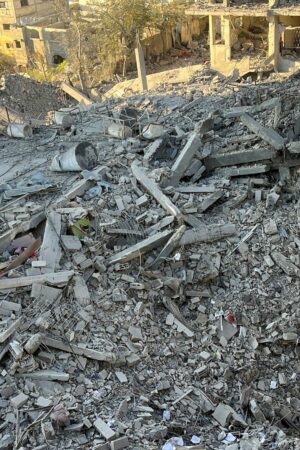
point(252, 35)
point(33, 27)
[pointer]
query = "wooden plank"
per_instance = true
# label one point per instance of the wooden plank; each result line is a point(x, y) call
point(56, 279)
point(141, 248)
point(267, 134)
point(155, 191)
point(27, 253)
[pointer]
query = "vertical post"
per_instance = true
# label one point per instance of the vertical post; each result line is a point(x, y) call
point(212, 39)
point(274, 38)
point(141, 67)
point(227, 37)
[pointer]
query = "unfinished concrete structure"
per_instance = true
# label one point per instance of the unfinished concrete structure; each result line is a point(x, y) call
point(251, 35)
point(17, 20)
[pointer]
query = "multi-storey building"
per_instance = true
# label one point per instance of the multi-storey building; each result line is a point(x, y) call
point(252, 34)
point(31, 26)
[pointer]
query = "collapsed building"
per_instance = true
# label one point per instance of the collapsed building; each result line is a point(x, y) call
point(252, 35)
point(150, 270)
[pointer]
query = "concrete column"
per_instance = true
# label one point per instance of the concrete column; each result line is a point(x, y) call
point(141, 67)
point(227, 37)
point(212, 38)
point(274, 39)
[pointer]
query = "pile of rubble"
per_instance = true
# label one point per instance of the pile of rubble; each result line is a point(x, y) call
point(29, 98)
point(158, 308)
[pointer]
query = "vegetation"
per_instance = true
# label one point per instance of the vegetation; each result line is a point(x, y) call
point(7, 64)
point(102, 41)
point(106, 38)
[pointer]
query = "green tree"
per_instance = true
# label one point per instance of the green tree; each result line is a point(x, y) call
point(109, 30)
point(7, 64)
point(121, 24)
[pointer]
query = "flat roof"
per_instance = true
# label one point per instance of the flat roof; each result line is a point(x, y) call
point(256, 10)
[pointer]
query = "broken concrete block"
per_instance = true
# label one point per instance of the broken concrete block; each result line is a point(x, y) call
point(210, 200)
point(38, 264)
point(47, 375)
point(105, 446)
point(57, 279)
point(208, 234)
point(48, 430)
point(194, 167)
point(119, 203)
point(81, 291)
point(137, 250)
point(293, 147)
point(104, 429)
point(120, 443)
point(43, 402)
point(271, 227)
point(170, 246)
point(269, 261)
point(155, 191)
point(157, 433)
point(18, 401)
point(205, 356)
point(121, 377)
point(243, 171)
point(272, 199)
point(285, 264)
point(142, 201)
point(50, 250)
point(153, 150)
point(135, 334)
point(226, 330)
point(267, 134)
point(99, 264)
point(33, 343)
point(184, 158)
point(236, 158)
point(223, 414)
point(204, 126)
point(119, 131)
point(71, 243)
point(153, 131)
point(7, 442)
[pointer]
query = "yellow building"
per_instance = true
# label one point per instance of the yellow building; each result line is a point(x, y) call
point(17, 15)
